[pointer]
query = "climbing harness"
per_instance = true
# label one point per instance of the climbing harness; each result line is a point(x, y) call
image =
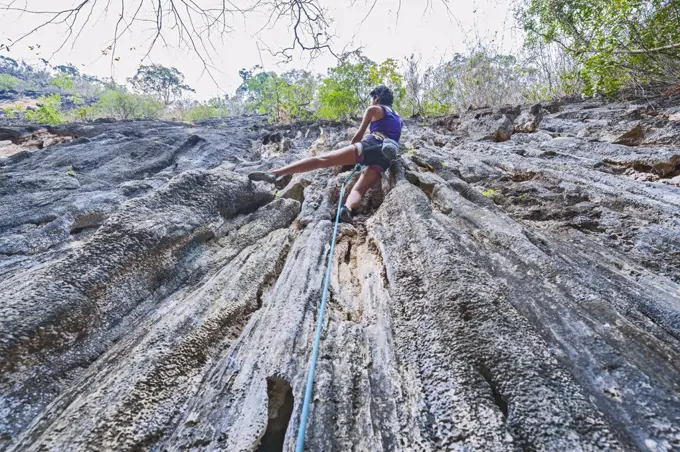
point(319, 324)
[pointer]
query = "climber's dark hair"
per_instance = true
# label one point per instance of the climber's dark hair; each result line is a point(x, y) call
point(383, 94)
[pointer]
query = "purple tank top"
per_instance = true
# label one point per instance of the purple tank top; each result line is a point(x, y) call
point(390, 125)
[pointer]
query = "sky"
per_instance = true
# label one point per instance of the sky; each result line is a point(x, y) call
point(430, 29)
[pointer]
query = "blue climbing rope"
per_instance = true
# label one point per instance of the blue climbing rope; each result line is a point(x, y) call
point(319, 324)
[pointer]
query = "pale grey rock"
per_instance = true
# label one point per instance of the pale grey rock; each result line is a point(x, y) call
point(514, 295)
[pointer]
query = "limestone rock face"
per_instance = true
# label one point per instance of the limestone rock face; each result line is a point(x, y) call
point(528, 121)
point(492, 294)
point(487, 125)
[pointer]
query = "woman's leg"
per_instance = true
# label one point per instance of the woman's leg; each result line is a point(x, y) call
point(344, 156)
point(367, 179)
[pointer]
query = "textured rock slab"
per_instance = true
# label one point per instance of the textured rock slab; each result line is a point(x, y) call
point(492, 127)
point(491, 295)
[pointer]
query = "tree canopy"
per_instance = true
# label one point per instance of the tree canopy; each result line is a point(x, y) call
point(617, 43)
point(164, 82)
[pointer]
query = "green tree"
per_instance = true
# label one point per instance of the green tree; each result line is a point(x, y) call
point(414, 86)
point(617, 43)
point(9, 66)
point(8, 82)
point(297, 93)
point(482, 78)
point(230, 105)
point(345, 92)
point(387, 73)
point(201, 112)
point(64, 81)
point(117, 102)
point(256, 89)
point(165, 83)
point(284, 98)
point(48, 111)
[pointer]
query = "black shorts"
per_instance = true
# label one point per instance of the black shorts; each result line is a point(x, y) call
point(371, 154)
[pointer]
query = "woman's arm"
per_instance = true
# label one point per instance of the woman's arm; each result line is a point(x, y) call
point(368, 117)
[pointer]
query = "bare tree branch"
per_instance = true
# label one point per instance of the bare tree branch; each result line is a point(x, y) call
point(194, 24)
point(309, 26)
point(656, 49)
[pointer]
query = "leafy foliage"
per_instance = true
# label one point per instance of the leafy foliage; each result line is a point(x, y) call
point(8, 65)
point(8, 82)
point(387, 73)
point(617, 43)
point(344, 93)
point(118, 103)
point(490, 193)
point(13, 111)
point(31, 76)
point(486, 78)
point(163, 82)
point(230, 105)
point(479, 78)
point(48, 112)
point(202, 112)
point(284, 98)
point(64, 81)
point(121, 104)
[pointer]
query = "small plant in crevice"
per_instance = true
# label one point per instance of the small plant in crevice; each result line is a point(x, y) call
point(490, 193)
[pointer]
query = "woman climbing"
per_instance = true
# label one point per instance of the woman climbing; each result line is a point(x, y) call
point(375, 151)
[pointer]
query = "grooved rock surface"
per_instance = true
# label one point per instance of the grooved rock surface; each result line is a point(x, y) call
point(512, 284)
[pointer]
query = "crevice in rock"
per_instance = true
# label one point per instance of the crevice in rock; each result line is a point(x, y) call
point(295, 191)
point(280, 407)
point(538, 242)
point(337, 308)
point(428, 189)
point(373, 247)
point(348, 252)
point(465, 313)
point(43, 220)
point(522, 176)
point(88, 223)
point(498, 397)
point(31, 138)
point(250, 208)
point(275, 137)
point(270, 281)
point(76, 231)
point(169, 160)
point(643, 170)
point(258, 297)
point(421, 163)
point(587, 225)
